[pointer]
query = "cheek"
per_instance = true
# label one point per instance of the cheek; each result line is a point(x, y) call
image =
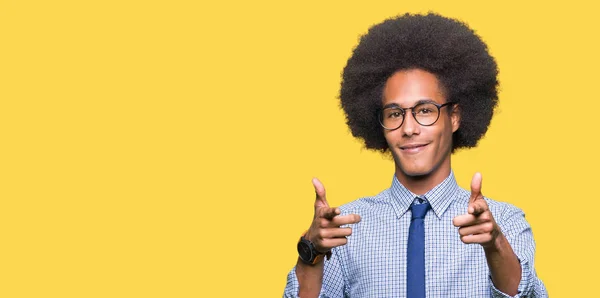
point(390, 137)
point(446, 139)
point(443, 136)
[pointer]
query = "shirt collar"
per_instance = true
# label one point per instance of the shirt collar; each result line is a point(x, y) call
point(439, 197)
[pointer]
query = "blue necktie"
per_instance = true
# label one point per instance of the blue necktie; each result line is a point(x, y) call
point(415, 269)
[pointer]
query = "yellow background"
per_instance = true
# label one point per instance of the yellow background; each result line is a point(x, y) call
point(166, 148)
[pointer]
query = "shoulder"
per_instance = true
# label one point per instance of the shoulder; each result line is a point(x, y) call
point(504, 211)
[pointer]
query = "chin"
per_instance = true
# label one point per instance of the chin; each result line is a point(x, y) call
point(416, 172)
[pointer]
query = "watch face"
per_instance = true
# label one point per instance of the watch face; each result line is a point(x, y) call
point(304, 251)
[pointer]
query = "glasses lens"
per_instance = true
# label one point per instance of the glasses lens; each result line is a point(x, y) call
point(426, 113)
point(391, 118)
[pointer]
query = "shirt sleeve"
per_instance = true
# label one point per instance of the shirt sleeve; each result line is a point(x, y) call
point(518, 233)
point(333, 280)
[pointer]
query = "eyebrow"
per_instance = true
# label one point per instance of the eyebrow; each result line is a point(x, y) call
point(395, 105)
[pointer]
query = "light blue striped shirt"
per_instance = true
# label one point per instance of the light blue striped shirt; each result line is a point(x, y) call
point(373, 263)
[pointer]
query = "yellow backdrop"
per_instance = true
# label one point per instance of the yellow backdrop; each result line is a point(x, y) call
point(166, 148)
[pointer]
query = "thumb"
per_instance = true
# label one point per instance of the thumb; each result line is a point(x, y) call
point(475, 189)
point(320, 199)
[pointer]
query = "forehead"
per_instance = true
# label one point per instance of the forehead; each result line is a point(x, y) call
point(407, 87)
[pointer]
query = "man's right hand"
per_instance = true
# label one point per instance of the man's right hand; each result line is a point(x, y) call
point(325, 232)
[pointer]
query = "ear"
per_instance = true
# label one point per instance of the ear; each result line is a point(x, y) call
point(455, 117)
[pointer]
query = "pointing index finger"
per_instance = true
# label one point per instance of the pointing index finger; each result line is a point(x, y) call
point(320, 195)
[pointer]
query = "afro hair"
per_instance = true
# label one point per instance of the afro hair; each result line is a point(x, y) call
point(445, 47)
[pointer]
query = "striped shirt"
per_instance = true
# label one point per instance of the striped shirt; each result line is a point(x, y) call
point(373, 262)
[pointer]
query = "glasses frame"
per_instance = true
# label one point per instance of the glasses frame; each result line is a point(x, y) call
point(438, 106)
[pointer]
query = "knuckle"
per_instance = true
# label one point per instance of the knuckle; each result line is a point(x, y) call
point(322, 234)
point(485, 216)
point(488, 227)
point(323, 222)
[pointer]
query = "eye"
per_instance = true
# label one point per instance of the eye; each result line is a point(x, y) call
point(393, 113)
point(425, 109)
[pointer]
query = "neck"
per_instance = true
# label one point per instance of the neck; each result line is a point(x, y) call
point(421, 184)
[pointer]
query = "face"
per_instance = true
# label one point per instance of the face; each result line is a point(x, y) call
point(419, 151)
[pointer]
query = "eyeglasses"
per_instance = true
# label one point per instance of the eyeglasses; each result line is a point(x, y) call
point(426, 114)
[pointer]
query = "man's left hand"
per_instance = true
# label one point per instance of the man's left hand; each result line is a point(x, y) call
point(478, 224)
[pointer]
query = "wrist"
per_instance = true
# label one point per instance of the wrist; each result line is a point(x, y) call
point(308, 252)
point(497, 244)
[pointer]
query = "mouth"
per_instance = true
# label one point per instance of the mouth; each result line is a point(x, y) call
point(413, 148)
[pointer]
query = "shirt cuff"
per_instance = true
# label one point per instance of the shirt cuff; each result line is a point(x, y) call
point(292, 287)
point(522, 290)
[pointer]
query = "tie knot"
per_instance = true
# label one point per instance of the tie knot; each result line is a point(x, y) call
point(419, 210)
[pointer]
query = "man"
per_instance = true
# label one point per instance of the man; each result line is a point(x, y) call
point(418, 87)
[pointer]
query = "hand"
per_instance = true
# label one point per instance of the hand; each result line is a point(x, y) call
point(325, 232)
point(478, 225)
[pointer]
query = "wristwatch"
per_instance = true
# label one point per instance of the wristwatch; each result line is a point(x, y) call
point(308, 253)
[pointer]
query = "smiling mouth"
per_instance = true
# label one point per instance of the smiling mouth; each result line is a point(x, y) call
point(413, 147)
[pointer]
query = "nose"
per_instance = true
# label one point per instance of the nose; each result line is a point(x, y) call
point(410, 125)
